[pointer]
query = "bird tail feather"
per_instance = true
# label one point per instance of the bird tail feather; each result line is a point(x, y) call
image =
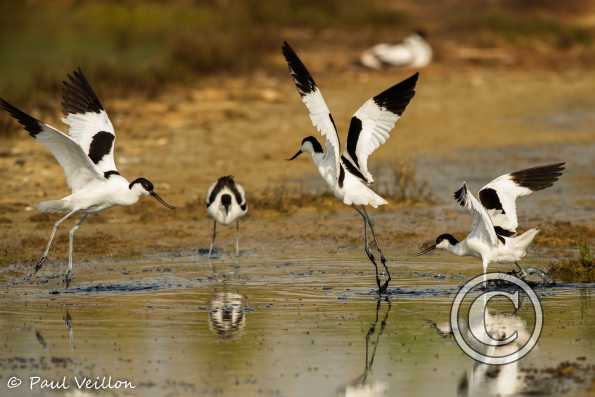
point(51, 206)
point(526, 238)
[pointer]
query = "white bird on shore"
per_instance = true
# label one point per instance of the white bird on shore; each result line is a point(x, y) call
point(347, 175)
point(493, 235)
point(414, 52)
point(87, 157)
point(226, 203)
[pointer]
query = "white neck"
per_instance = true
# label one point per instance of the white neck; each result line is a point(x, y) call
point(459, 249)
point(130, 196)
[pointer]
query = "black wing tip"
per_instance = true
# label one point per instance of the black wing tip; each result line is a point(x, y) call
point(539, 178)
point(460, 194)
point(303, 80)
point(397, 97)
point(29, 123)
point(78, 95)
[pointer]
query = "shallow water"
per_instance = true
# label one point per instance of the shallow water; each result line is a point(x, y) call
point(185, 326)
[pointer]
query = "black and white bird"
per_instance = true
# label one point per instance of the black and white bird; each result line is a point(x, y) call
point(87, 156)
point(347, 175)
point(226, 203)
point(493, 236)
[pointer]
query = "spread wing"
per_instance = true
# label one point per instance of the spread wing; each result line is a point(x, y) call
point(499, 196)
point(319, 113)
point(77, 166)
point(371, 125)
point(89, 124)
point(482, 224)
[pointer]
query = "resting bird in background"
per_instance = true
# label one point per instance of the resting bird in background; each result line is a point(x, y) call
point(413, 52)
point(493, 236)
point(87, 157)
point(226, 203)
point(347, 175)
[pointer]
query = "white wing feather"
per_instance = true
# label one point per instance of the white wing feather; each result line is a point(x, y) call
point(372, 123)
point(78, 169)
point(482, 226)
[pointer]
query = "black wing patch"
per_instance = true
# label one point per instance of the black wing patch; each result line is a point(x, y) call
point(503, 232)
point(355, 128)
point(303, 80)
point(352, 169)
point(538, 178)
point(29, 123)
point(490, 200)
point(78, 95)
point(228, 182)
point(107, 174)
point(396, 98)
point(341, 175)
point(460, 195)
point(100, 146)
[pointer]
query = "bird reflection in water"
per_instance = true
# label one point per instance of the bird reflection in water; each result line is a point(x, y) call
point(362, 386)
point(68, 323)
point(227, 314)
point(497, 380)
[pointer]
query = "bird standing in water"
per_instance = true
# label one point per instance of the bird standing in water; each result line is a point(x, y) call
point(347, 175)
point(87, 157)
point(226, 203)
point(493, 236)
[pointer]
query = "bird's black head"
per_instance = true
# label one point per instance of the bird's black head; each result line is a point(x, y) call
point(144, 182)
point(443, 241)
point(309, 145)
point(146, 187)
point(446, 237)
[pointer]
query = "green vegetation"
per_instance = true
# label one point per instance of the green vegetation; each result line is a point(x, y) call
point(523, 30)
point(135, 45)
point(580, 269)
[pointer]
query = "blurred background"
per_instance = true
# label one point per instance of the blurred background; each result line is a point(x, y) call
point(141, 47)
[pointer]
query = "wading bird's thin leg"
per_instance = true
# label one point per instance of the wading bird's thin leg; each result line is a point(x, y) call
point(367, 249)
point(68, 275)
point(213, 238)
point(238, 238)
point(43, 258)
point(382, 258)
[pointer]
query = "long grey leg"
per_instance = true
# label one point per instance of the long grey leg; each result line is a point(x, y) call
point(44, 257)
point(68, 275)
point(213, 238)
point(382, 258)
point(367, 248)
point(238, 238)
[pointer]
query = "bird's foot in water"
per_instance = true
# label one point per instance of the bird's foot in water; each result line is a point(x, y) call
point(383, 288)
